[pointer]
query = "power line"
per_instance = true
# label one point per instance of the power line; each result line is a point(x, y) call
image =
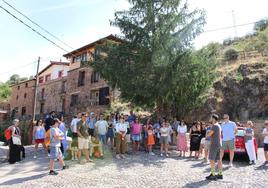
point(33, 29)
point(37, 24)
point(229, 27)
point(17, 68)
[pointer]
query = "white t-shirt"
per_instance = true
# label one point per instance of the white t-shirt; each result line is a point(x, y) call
point(101, 126)
point(164, 131)
point(74, 124)
point(265, 141)
point(182, 129)
point(121, 127)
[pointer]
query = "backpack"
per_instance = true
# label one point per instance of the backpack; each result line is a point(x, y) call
point(8, 134)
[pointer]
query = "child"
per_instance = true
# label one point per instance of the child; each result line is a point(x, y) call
point(249, 143)
point(56, 135)
point(95, 147)
point(150, 139)
point(136, 135)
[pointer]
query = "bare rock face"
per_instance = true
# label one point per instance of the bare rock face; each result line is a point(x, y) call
point(243, 94)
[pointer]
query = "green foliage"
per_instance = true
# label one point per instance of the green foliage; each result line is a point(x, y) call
point(239, 76)
point(230, 54)
point(15, 78)
point(5, 91)
point(155, 66)
point(261, 25)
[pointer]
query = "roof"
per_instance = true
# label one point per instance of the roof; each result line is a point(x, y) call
point(22, 82)
point(54, 63)
point(109, 37)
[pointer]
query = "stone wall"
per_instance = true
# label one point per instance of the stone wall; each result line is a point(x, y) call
point(22, 96)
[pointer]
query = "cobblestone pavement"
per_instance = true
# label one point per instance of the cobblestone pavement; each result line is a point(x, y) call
point(136, 171)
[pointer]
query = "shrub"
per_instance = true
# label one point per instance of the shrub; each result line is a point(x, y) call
point(230, 54)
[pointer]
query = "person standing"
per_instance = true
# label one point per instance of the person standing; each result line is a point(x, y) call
point(55, 153)
point(63, 129)
point(229, 131)
point(15, 148)
point(249, 133)
point(265, 142)
point(150, 137)
point(74, 144)
point(195, 133)
point(175, 126)
point(91, 121)
point(121, 131)
point(215, 148)
point(202, 137)
point(83, 138)
point(101, 129)
point(136, 128)
point(49, 120)
point(181, 139)
point(39, 134)
point(110, 132)
point(164, 131)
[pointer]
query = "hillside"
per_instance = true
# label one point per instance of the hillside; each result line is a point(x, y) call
point(241, 86)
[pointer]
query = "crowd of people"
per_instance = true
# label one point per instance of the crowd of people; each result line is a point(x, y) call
point(88, 134)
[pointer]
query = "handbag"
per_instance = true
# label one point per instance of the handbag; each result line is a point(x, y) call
point(16, 140)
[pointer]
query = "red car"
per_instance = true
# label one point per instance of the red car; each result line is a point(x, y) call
point(240, 147)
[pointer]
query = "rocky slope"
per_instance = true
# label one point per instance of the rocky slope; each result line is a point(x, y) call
point(241, 90)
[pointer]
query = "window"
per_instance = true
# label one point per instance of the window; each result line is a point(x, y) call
point(26, 84)
point(84, 57)
point(42, 108)
point(60, 74)
point(18, 87)
point(43, 93)
point(17, 97)
point(95, 77)
point(104, 96)
point(63, 87)
point(41, 80)
point(48, 77)
point(63, 105)
point(81, 78)
point(25, 95)
point(23, 111)
point(74, 100)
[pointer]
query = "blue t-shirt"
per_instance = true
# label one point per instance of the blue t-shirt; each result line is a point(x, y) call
point(228, 130)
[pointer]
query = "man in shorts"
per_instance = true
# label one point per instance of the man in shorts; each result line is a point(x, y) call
point(229, 131)
point(74, 144)
point(83, 138)
point(215, 148)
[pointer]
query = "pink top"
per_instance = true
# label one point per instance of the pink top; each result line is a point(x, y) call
point(136, 128)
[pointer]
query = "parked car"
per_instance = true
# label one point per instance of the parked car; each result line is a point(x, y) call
point(240, 147)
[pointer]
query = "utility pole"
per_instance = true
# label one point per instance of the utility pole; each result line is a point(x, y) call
point(234, 23)
point(35, 88)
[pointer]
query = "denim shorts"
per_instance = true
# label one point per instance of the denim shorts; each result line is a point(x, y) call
point(55, 152)
point(136, 137)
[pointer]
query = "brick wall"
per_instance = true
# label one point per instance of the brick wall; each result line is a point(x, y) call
point(50, 96)
point(22, 98)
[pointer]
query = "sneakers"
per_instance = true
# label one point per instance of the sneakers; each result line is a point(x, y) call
point(231, 165)
point(65, 167)
point(34, 157)
point(52, 172)
point(152, 153)
point(161, 154)
point(220, 177)
point(265, 163)
point(118, 156)
point(211, 177)
point(250, 163)
point(123, 156)
point(166, 155)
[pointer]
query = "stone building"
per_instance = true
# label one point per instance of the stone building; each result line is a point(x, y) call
point(87, 91)
point(51, 90)
point(22, 99)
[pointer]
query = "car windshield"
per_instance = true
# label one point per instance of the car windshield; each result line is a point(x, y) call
point(240, 133)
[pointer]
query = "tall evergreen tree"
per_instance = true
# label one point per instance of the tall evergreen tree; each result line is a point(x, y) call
point(155, 66)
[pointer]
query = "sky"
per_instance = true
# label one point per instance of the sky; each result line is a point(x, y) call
point(80, 22)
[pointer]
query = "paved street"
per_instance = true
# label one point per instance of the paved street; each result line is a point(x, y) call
point(135, 171)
